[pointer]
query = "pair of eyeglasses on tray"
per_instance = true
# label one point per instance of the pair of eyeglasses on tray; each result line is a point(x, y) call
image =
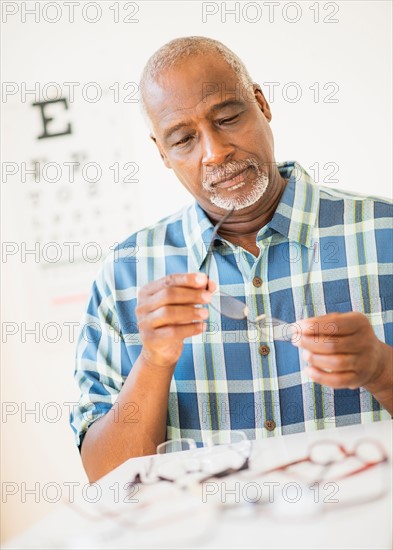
point(168, 499)
point(148, 513)
point(165, 497)
point(328, 453)
point(181, 461)
point(330, 477)
point(233, 308)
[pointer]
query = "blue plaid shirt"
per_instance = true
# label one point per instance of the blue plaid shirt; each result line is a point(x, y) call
point(227, 378)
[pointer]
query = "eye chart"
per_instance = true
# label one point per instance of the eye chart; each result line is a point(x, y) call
point(76, 182)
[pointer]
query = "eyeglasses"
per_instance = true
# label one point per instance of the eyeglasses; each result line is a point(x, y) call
point(314, 495)
point(333, 459)
point(224, 453)
point(150, 519)
point(233, 308)
point(178, 465)
point(327, 453)
point(164, 504)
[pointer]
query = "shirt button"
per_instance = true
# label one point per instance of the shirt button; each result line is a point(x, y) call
point(264, 350)
point(269, 425)
point(257, 281)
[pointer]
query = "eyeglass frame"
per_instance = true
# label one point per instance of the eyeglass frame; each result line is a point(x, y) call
point(118, 518)
point(346, 454)
point(223, 473)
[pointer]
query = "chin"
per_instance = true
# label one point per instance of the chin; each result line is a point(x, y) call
point(242, 200)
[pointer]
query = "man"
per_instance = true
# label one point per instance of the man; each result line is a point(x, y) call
point(152, 364)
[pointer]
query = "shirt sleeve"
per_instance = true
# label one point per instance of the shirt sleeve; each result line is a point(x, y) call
point(100, 356)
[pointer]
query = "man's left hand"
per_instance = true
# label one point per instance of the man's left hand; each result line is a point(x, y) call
point(342, 350)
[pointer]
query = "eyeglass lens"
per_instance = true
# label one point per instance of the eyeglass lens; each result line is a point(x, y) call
point(176, 445)
point(229, 306)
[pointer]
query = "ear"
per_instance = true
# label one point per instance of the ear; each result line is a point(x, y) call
point(162, 154)
point(262, 103)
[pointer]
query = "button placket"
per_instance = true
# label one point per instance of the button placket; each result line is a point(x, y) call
point(253, 341)
point(266, 351)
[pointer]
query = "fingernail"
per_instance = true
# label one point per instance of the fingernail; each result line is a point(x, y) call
point(203, 313)
point(200, 278)
point(306, 354)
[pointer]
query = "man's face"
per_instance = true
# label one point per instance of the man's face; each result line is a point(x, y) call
point(213, 133)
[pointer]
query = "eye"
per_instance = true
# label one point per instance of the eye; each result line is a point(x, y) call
point(229, 120)
point(183, 141)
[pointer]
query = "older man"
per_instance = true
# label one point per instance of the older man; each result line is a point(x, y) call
point(152, 364)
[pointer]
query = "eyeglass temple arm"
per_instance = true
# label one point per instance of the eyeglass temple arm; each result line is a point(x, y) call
point(215, 231)
point(285, 466)
point(227, 471)
point(363, 468)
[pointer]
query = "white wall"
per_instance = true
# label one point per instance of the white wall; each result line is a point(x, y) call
point(354, 133)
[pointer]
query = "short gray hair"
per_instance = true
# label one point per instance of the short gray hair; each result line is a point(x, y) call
point(180, 48)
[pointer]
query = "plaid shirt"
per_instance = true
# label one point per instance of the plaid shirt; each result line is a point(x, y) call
point(227, 378)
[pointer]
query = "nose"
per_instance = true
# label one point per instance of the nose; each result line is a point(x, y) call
point(216, 148)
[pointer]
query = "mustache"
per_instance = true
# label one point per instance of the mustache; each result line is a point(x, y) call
point(227, 171)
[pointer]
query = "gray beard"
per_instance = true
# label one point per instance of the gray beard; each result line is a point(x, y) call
point(242, 199)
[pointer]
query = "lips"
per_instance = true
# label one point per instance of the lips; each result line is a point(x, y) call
point(230, 182)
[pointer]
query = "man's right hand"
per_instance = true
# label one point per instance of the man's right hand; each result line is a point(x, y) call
point(166, 314)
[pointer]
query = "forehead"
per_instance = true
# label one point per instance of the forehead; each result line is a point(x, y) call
point(190, 87)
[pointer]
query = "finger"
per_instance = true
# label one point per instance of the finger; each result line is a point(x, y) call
point(333, 380)
point(332, 363)
point(174, 315)
point(179, 332)
point(211, 286)
point(191, 280)
point(334, 323)
point(177, 295)
point(326, 345)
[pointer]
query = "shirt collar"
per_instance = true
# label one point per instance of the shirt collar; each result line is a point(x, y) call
point(294, 218)
point(296, 213)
